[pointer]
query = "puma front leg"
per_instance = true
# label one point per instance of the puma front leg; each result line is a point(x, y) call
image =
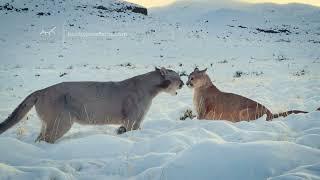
point(133, 112)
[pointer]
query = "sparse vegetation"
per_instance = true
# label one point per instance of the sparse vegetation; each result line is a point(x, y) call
point(243, 27)
point(314, 41)
point(284, 40)
point(223, 61)
point(128, 65)
point(63, 74)
point(187, 114)
point(301, 72)
point(21, 129)
point(9, 7)
point(183, 73)
point(282, 58)
point(106, 42)
point(273, 31)
point(238, 74)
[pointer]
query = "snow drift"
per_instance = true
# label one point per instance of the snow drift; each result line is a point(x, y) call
point(279, 70)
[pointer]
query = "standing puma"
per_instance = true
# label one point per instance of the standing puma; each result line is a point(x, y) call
point(125, 103)
point(211, 103)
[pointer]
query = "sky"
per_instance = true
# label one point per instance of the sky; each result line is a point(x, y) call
point(155, 3)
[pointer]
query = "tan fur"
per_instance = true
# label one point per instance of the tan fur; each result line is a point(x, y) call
point(213, 104)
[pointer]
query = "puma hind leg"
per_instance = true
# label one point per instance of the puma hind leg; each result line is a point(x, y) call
point(54, 125)
point(57, 118)
point(249, 114)
point(41, 135)
point(56, 128)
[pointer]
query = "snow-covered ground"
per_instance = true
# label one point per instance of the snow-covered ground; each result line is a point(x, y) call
point(279, 70)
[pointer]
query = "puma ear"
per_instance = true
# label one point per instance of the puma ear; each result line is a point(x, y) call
point(156, 68)
point(165, 84)
point(163, 71)
point(203, 71)
point(196, 69)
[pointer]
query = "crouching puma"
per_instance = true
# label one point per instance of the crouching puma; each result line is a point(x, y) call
point(211, 103)
point(124, 102)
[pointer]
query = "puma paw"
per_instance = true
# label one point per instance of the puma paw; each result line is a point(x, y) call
point(121, 130)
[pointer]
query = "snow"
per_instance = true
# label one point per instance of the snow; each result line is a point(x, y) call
point(280, 71)
point(255, 160)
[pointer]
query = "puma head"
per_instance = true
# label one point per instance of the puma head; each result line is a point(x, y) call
point(171, 81)
point(197, 78)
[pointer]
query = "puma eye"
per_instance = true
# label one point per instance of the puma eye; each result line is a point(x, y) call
point(191, 79)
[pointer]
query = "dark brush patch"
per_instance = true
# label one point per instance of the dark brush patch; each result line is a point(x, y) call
point(127, 65)
point(187, 114)
point(282, 58)
point(242, 27)
point(124, 8)
point(223, 61)
point(314, 41)
point(183, 73)
point(283, 40)
point(301, 72)
point(63, 74)
point(274, 31)
point(43, 14)
point(9, 7)
point(238, 74)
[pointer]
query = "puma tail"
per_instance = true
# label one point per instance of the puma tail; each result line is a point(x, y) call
point(19, 112)
point(284, 114)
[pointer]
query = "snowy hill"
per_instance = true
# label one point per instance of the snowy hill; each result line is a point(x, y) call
point(266, 52)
